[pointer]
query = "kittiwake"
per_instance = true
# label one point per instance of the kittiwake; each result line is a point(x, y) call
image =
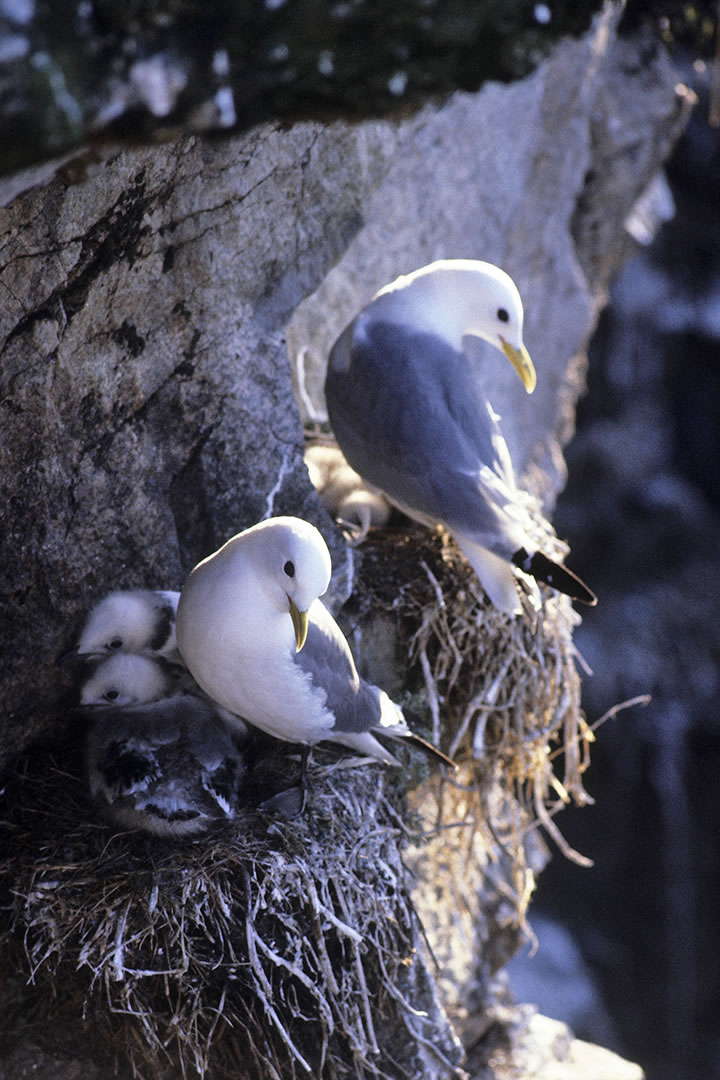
point(355, 505)
point(257, 639)
point(409, 411)
point(130, 620)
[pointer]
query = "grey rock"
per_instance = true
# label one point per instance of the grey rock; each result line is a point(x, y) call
point(546, 1050)
point(147, 408)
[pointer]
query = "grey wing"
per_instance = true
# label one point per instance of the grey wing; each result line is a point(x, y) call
point(214, 754)
point(410, 418)
point(327, 658)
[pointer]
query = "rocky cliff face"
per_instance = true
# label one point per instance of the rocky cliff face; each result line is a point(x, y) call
point(147, 399)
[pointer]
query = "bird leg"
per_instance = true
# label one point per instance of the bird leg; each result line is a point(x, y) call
point(304, 763)
point(290, 802)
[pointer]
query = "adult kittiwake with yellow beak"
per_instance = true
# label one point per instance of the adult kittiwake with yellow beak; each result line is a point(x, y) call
point(408, 408)
point(258, 640)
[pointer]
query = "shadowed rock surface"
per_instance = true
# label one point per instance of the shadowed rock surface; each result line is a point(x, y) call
point(144, 71)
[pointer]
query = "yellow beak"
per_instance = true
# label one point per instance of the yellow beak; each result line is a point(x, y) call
point(520, 360)
point(300, 624)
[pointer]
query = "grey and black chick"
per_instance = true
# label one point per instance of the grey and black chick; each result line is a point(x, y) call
point(158, 758)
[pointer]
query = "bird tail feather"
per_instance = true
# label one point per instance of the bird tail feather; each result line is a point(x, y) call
point(365, 743)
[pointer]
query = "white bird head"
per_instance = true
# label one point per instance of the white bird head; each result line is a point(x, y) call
point(125, 621)
point(283, 560)
point(455, 298)
point(124, 680)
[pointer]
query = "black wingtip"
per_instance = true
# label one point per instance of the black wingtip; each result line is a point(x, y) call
point(555, 575)
point(430, 750)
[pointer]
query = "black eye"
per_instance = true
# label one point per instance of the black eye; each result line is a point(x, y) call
point(289, 568)
point(112, 695)
point(503, 315)
point(116, 643)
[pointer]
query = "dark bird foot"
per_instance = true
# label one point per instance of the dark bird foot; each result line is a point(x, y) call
point(289, 803)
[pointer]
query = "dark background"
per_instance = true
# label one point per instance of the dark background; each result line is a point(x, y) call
point(642, 514)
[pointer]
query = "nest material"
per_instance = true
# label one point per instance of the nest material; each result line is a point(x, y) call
point(280, 952)
point(501, 693)
point(259, 952)
point(502, 696)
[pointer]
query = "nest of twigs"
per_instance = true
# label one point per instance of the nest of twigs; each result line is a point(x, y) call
point(281, 950)
point(500, 694)
point(263, 951)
